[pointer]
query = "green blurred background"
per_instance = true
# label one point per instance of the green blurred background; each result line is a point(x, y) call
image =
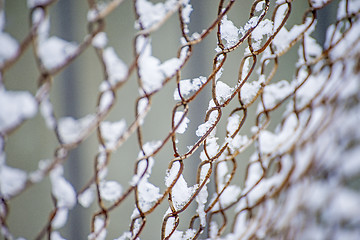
point(74, 93)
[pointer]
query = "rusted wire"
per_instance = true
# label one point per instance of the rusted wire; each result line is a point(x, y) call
point(261, 60)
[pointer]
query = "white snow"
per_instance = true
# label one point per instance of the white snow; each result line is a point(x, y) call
point(180, 192)
point(189, 234)
point(101, 164)
point(229, 32)
point(318, 3)
point(46, 110)
point(142, 105)
point(42, 20)
point(264, 29)
point(204, 128)
point(151, 70)
point(183, 125)
point(353, 6)
point(107, 98)
point(170, 224)
point(319, 194)
point(55, 235)
point(251, 23)
point(149, 13)
point(311, 87)
point(55, 51)
point(110, 190)
point(70, 129)
point(223, 91)
point(170, 66)
point(259, 6)
point(176, 235)
point(189, 85)
point(280, 14)
point(349, 41)
point(222, 170)
point(280, 140)
point(12, 180)
point(15, 106)
point(34, 3)
point(100, 40)
point(148, 149)
point(100, 231)
point(254, 174)
point(9, 47)
point(124, 236)
point(187, 9)
point(345, 205)
point(230, 193)
point(201, 199)
point(232, 123)
point(115, 67)
point(38, 175)
point(60, 218)
point(220, 72)
point(275, 92)
point(352, 166)
point(112, 131)
point(147, 192)
point(229, 196)
point(250, 89)
point(212, 147)
point(319, 197)
point(149, 66)
point(312, 48)
point(87, 197)
point(246, 66)
point(213, 229)
point(202, 196)
point(237, 142)
point(62, 190)
point(285, 37)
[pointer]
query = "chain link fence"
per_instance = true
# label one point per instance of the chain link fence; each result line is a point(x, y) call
point(272, 159)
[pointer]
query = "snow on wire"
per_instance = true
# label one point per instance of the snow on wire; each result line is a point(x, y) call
point(300, 179)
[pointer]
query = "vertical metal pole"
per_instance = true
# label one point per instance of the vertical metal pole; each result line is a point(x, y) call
point(324, 20)
point(70, 95)
point(198, 67)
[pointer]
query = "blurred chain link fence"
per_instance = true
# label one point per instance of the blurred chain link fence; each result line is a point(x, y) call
point(301, 180)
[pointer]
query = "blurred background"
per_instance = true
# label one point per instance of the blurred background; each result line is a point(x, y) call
point(74, 93)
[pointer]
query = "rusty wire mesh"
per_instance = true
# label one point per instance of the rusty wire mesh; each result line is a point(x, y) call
point(271, 200)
